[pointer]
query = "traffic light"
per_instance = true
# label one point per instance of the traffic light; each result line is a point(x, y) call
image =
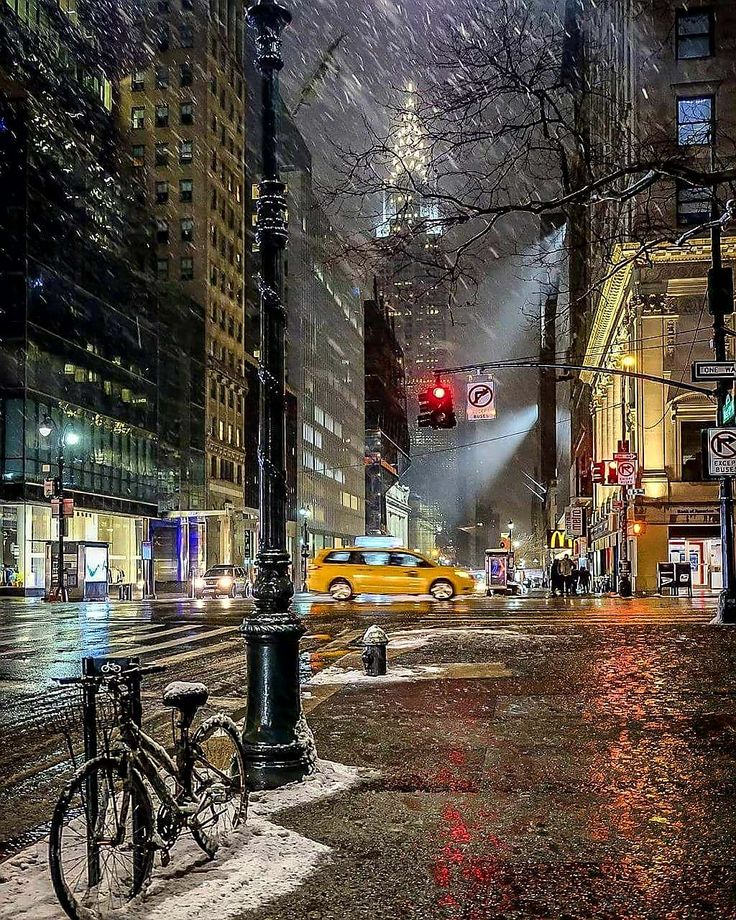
point(435, 407)
point(637, 528)
point(611, 473)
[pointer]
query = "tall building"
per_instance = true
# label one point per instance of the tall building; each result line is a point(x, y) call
point(416, 292)
point(88, 340)
point(386, 428)
point(183, 113)
point(324, 351)
point(671, 89)
point(325, 361)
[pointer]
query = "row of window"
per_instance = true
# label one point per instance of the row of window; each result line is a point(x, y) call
point(186, 191)
point(162, 77)
point(228, 434)
point(227, 322)
point(161, 115)
point(186, 268)
point(348, 500)
point(227, 470)
point(312, 462)
point(227, 397)
point(695, 38)
point(162, 36)
point(226, 358)
point(326, 420)
point(162, 157)
point(186, 231)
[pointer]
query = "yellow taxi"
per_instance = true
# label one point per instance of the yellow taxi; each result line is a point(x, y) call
point(352, 570)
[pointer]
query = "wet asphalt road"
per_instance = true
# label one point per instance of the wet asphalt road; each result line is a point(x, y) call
point(642, 677)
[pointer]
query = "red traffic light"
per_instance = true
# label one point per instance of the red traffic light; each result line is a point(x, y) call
point(439, 392)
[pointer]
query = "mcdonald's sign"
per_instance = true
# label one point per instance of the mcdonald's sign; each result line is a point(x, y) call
point(558, 539)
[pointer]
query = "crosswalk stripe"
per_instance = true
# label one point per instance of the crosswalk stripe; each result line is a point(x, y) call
point(160, 646)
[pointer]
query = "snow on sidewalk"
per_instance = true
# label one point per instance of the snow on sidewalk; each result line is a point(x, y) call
point(263, 861)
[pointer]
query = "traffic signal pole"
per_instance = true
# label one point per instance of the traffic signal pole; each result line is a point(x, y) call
point(720, 302)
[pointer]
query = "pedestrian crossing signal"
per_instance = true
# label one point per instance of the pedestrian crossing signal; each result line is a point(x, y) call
point(637, 528)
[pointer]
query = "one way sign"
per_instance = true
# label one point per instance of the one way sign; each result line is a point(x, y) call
point(720, 451)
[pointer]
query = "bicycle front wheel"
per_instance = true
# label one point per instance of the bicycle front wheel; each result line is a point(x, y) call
point(100, 845)
point(218, 782)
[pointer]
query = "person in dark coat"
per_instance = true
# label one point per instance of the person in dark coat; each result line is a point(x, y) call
point(555, 579)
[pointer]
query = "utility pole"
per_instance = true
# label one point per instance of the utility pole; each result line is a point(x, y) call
point(277, 743)
point(720, 302)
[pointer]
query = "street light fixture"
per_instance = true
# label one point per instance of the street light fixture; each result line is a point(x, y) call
point(276, 739)
point(65, 436)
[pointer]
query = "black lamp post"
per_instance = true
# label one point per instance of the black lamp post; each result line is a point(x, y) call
point(65, 436)
point(305, 515)
point(278, 745)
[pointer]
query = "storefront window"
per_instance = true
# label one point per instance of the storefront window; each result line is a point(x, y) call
point(690, 441)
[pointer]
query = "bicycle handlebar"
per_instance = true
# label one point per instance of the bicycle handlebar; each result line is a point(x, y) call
point(98, 678)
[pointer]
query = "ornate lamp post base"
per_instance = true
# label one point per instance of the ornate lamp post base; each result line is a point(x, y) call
point(277, 748)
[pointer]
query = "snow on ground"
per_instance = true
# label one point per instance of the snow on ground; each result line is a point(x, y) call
point(410, 639)
point(262, 861)
point(394, 674)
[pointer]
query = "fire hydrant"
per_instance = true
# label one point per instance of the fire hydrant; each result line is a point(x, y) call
point(374, 644)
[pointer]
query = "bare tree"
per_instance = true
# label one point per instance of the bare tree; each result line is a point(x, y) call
point(521, 112)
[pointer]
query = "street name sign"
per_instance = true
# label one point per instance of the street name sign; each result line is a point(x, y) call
point(714, 370)
point(720, 452)
point(481, 399)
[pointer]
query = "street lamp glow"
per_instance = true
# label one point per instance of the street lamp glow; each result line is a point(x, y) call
point(628, 361)
point(305, 512)
point(46, 427)
point(71, 438)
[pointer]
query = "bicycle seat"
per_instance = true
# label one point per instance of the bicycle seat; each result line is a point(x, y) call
point(187, 697)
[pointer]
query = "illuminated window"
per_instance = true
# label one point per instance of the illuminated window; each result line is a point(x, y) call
point(137, 117)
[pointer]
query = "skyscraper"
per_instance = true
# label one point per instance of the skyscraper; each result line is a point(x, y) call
point(183, 112)
point(415, 288)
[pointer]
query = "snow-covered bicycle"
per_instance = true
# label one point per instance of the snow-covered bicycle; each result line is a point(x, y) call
point(104, 832)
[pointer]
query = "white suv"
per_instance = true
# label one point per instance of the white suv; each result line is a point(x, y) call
point(223, 580)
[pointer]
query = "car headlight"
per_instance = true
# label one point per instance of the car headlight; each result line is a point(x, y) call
point(225, 582)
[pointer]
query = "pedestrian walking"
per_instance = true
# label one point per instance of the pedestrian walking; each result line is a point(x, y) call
point(585, 580)
point(566, 573)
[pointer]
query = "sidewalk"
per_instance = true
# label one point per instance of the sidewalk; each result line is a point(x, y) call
point(557, 770)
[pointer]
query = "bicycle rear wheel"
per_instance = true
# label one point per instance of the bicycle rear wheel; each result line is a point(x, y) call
point(100, 845)
point(218, 782)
